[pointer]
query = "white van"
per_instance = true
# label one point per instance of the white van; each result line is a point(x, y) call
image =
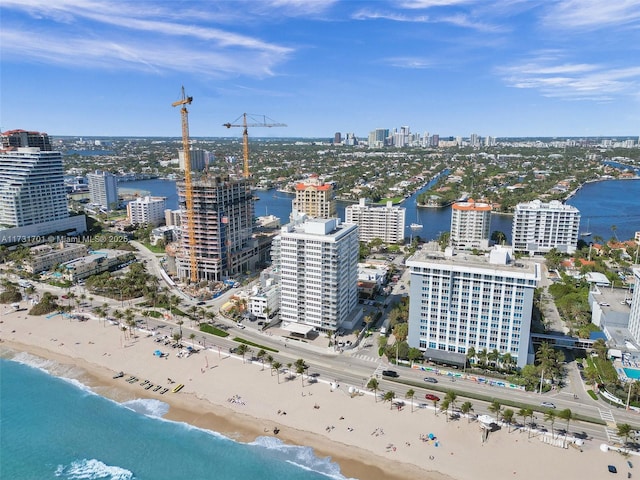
point(383, 330)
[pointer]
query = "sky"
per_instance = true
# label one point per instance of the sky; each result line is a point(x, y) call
point(501, 68)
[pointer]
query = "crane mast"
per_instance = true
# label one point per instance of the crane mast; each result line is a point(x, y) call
point(188, 187)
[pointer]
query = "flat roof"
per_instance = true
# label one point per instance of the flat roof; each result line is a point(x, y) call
point(299, 328)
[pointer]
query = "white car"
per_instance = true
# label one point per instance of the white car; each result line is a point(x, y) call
point(548, 405)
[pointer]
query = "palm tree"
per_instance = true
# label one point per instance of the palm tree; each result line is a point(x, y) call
point(435, 405)
point(192, 337)
point(388, 397)
point(507, 416)
point(465, 408)
point(374, 385)
point(242, 349)
point(301, 367)
point(450, 398)
point(276, 365)
point(624, 430)
point(444, 407)
point(550, 416)
point(261, 354)
point(567, 415)
point(410, 395)
point(471, 355)
point(493, 357)
point(524, 413)
point(495, 408)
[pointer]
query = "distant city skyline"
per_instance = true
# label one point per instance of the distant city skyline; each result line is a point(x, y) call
point(501, 68)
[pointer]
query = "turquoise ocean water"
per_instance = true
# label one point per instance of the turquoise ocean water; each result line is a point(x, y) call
point(52, 427)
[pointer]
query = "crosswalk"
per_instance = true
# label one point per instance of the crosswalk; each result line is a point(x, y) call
point(611, 428)
point(364, 356)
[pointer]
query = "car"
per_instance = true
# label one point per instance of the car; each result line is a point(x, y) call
point(200, 303)
point(390, 373)
point(548, 405)
point(430, 380)
point(612, 469)
point(432, 397)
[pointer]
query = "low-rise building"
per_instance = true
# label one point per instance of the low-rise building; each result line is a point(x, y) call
point(264, 302)
point(146, 211)
point(94, 263)
point(46, 257)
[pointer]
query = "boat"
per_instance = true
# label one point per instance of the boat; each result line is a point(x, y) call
point(587, 232)
point(415, 226)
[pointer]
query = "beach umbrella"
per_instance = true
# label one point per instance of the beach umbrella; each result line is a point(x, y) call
point(431, 436)
point(157, 353)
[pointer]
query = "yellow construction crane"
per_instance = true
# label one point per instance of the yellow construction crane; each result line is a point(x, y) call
point(245, 133)
point(188, 188)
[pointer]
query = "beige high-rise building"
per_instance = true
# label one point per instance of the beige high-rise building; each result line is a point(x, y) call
point(314, 198)
point(470, 224)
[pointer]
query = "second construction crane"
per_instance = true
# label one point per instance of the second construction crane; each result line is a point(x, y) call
point(188, 187)
point(256, 121)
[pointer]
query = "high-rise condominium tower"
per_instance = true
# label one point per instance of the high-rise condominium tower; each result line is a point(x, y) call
point(223, 228)
point(314, 198)
point(384, 222)
point(103, 189)
point(318, 265)
point(470, 224)
point(539, 227)
point(464, 302)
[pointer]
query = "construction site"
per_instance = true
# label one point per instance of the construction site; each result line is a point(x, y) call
point(217, 218)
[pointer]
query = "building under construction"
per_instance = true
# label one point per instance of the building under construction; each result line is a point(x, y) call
point(223, 217)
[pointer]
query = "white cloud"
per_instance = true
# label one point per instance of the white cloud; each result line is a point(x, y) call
point(409, 62)
point(417, 4)
point(134, 38)
point(593, 14)
point(572, 81)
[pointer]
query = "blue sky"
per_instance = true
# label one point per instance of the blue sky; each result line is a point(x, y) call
point(447, 67)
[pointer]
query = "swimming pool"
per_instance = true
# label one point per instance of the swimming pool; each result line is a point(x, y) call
point(632, 373)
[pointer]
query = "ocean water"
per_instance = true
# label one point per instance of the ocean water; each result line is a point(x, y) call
point(53, 427)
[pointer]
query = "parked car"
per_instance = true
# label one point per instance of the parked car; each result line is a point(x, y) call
point(432, 397)
point(430, 380)
point(548, 405)
point(390, 373)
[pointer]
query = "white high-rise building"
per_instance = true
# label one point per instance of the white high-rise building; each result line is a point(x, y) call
point(539, 227)
point(198, 159)
point(470, 224)
point(386, 223)
point(317, 261)
point(31, 187)
point(634, 314)
point(147, 210)
point(103, 189)
point(463, 302)
point(33, 199)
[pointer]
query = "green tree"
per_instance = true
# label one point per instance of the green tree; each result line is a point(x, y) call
point(410, 395)
point(507, 416)
point(276, 366)
point(242, 349)
point(389, 397)
point(567, 415)
point(466, 408)
point(374, 386)
point(261, 355)
point(550, 416)
point(301, 367)
point(624, 431)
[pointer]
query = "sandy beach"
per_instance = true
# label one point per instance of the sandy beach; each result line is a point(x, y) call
point(244, 400)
